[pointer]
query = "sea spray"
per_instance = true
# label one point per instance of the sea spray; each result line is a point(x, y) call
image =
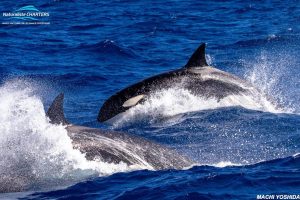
point(272, 73)
point(35, 154)
point(170, 102)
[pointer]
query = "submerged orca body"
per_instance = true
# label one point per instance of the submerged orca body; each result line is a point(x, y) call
point(116, 147)
point(196, 76)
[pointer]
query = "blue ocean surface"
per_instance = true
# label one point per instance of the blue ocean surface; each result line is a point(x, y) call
point(243, 148)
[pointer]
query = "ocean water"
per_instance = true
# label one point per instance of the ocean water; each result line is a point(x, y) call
point(243, 146)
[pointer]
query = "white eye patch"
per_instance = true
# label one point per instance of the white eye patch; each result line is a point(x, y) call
point(133, 101)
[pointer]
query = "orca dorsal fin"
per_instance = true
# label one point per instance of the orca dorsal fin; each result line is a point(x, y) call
point(198, 58)
point(56, 111)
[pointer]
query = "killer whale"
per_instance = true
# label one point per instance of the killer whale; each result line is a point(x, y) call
point(196, 76)
point(116, 147)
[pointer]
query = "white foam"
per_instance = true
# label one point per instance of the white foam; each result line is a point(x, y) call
point(296, 155)
point(37, 154)
point(174, 101)
point(226, 164)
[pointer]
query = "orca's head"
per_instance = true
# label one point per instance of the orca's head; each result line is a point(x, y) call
point(117, 104)
point(129, 97)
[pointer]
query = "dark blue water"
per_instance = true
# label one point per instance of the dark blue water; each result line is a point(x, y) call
point(92, 49)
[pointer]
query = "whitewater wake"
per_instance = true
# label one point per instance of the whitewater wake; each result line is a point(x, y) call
point(35, 154)
point(175, 101)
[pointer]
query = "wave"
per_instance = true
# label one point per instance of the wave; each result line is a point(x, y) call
point(85, 27)
point(108, 47)
point(194, 182)
point(280, 160)
point(35, 154)
point(225, 164)
point(270, 39)
point(4, 34)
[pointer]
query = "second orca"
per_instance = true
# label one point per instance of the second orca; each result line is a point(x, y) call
point(196, 76)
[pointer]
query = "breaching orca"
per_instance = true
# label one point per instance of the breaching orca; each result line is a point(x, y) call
point(116, 147)
point(196, 76)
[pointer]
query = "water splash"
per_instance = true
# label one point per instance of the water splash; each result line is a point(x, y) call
point(174, 101)
point(272, 73)
point(35, 154)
